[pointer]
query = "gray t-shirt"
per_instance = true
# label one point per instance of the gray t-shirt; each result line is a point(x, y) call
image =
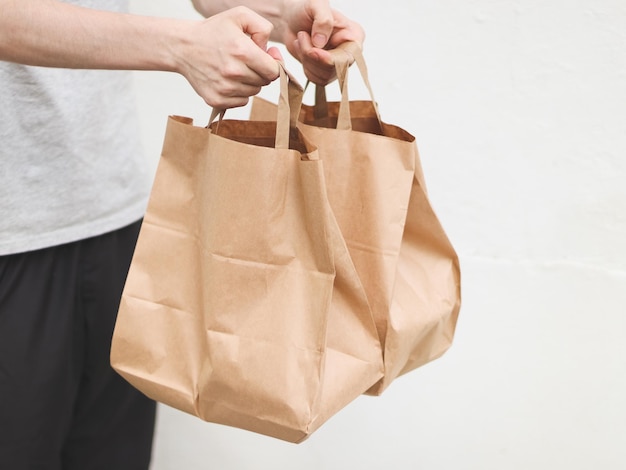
point(71, 164)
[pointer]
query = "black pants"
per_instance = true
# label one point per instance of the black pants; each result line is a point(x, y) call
point(61, 404)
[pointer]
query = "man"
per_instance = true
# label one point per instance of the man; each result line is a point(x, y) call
point(73, 190)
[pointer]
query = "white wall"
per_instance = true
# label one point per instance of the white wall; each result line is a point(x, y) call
point(519, 108)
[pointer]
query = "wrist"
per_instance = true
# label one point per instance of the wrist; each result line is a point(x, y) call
point(176, 38)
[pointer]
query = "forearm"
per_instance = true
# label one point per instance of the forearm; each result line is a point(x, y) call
point(272, 10)
point(56, 34)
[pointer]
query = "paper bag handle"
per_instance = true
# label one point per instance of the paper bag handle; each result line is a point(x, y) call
point(343, 55)
point(289, 104)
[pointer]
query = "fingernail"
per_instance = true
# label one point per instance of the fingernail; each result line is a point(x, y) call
point(319, 40)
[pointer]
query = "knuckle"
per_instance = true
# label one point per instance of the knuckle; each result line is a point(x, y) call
point(226, 89)
point(231, 71)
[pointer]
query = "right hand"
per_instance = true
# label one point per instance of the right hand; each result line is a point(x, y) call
point(226, 59)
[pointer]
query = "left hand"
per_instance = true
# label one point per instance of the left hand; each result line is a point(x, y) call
point(312, 28)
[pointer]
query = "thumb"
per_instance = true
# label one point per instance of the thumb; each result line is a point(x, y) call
point(322, 27)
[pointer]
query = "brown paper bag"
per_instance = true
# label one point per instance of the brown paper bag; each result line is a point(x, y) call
point(242, 305)
point(377, 192)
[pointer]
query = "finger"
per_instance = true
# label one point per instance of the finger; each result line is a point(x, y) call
point(224, 102)
point(323, 21)
point(305, 45)
point(275, 53)
point(231, 96)
point(255, 26)
point(345, 30)
point(263, 65)
point(244, 72)
point(318, 64)
point(228, 103)
point(259, 30)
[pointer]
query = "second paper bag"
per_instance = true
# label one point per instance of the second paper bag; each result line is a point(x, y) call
point(377, 192)
point(242, 305)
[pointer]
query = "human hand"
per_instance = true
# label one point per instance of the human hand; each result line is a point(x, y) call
point(312, 28)
point(225, 57)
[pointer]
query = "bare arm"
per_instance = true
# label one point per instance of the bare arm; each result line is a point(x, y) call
point(223, 57)
point(56, 34)
point(216, 55)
